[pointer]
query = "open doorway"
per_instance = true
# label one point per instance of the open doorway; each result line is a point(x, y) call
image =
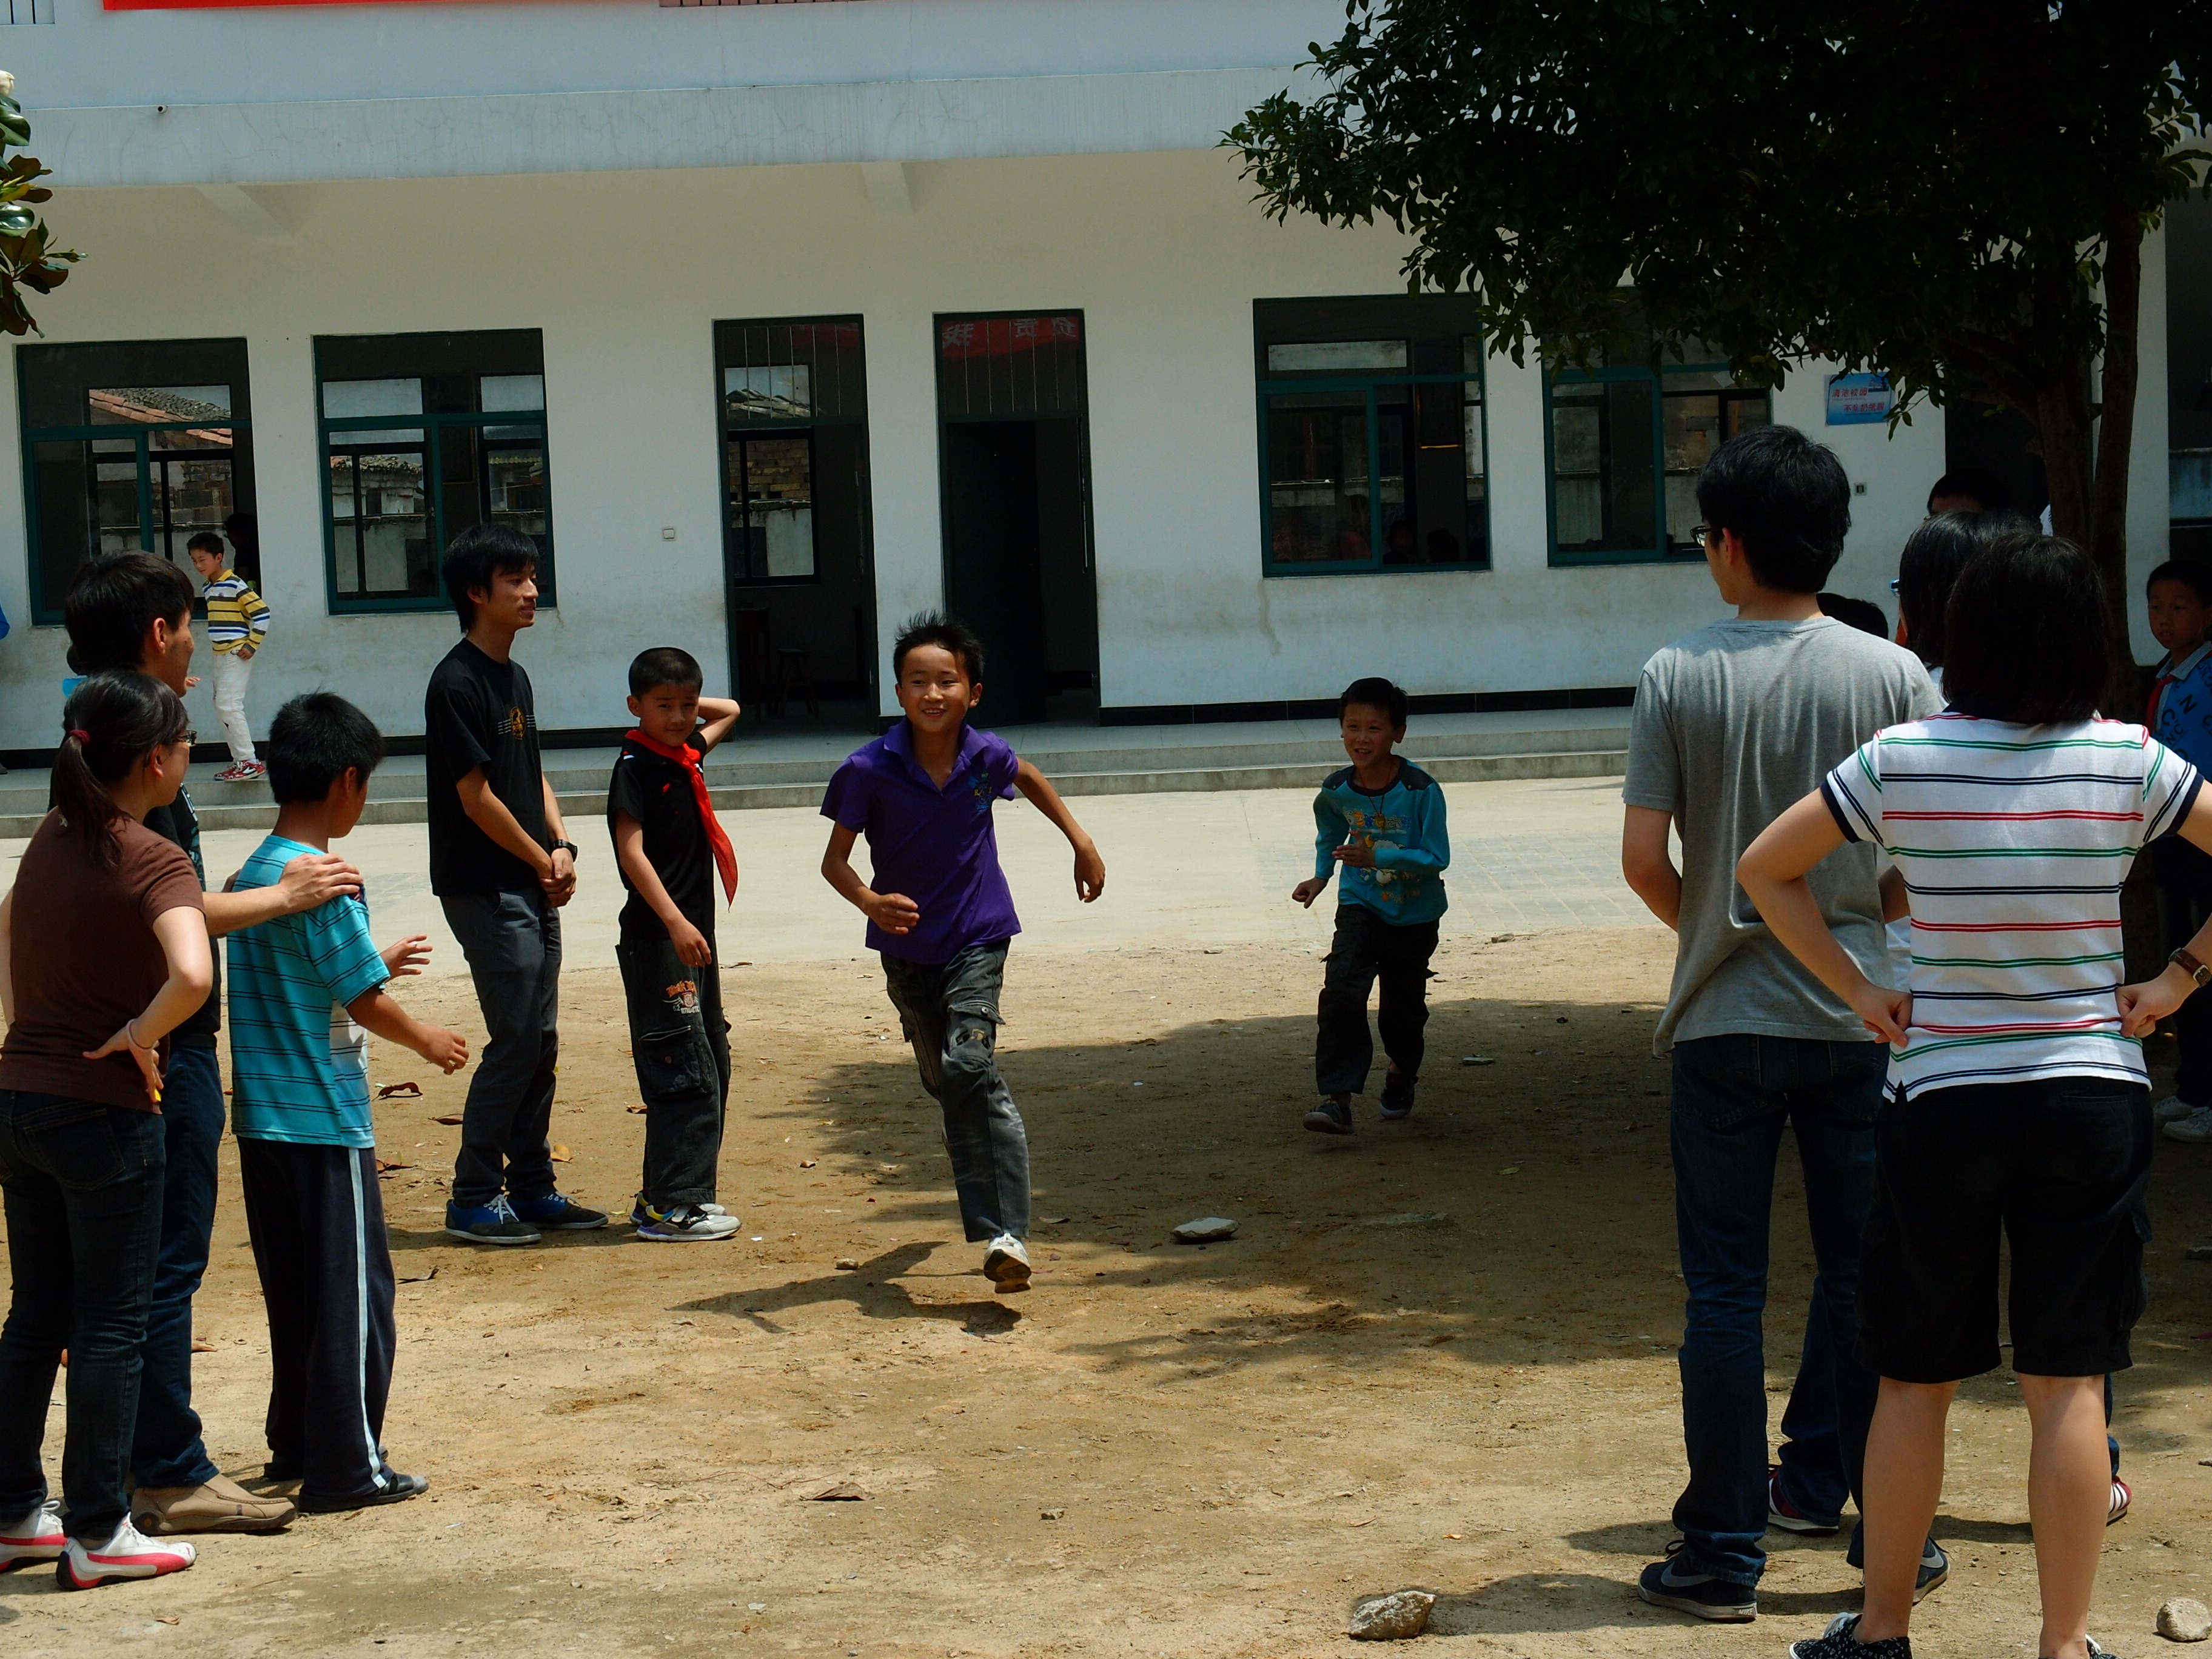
point(1018, 569)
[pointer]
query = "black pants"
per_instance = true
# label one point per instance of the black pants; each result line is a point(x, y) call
point(317, 1223)
point(1367, 948)
point(2185, 892)
point(681, 1044)
point(513, 944)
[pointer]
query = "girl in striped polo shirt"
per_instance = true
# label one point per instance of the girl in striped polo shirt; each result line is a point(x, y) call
point(2019, 1101)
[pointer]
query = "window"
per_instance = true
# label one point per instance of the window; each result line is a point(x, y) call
point(424, 435)
point(795, 407)
point(142, 444)
point(1627, 442)
point(1374, 453)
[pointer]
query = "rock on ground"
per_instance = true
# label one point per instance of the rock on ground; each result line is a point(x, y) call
point(1205, 1230)
point(1394, 1617)
point(2184, 1620)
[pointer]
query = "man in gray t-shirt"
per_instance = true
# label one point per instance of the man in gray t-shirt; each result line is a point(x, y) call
point(1732, 724)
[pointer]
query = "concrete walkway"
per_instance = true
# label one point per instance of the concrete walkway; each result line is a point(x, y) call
point(1183, 871)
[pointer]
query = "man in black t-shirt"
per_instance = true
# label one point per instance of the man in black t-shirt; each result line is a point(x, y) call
point(131, 612)
point(670, 850)
point(501, 866)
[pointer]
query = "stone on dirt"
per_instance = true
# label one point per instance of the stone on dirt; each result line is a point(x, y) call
point(2185, 1618)
point(1397, 1617)
point(1205, 1230)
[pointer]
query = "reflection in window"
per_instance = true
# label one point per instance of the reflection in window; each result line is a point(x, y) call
point(772, 507)
point(793, 401)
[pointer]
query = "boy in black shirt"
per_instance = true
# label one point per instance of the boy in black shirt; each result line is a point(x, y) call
point(670, 850)
point(502, 867)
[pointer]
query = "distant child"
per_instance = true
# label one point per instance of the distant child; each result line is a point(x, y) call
point(237, 627)
point(305, 990)
point(1380, 820)
point(671, 848)
point(940, 915)
point(2180, 717)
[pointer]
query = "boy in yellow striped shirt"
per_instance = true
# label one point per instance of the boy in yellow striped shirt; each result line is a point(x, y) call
point(237, 627)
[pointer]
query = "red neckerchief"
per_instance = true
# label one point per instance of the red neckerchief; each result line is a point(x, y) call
point(726, 857)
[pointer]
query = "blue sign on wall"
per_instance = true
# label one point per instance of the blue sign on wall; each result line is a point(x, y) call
point(1858, 399)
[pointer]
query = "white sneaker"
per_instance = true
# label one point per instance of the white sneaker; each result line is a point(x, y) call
point(1006, 1264)
point(687, 1224)
point(129, 1554)
point(2171, 1109)
point(35, 1537)
point(2195, 1129)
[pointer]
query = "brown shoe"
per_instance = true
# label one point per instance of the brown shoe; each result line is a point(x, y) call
point(220, 1505)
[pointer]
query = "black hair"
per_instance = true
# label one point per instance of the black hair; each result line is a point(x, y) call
point(111, 722)
point(114, 602)
point(1787, 498)
point(2193, 573)
point(1977, 484)
point(208, 542)
point(478, 554)
point(664, 665)
point(947, 633)
point(1928, 567)
point(2025, 636)
point(315, 738)
point(1374, 692)
point(1862, 614)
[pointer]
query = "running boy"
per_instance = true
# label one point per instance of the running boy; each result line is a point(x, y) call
point(238, 626)
point(1381, 821)
point(305, 990)
point(940, 915)
point(2180, 717)
point(670, 848)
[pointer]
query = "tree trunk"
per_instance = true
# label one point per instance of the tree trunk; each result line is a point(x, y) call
point(2116, 430)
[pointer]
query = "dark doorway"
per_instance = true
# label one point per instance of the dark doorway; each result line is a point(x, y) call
point(1017, 560)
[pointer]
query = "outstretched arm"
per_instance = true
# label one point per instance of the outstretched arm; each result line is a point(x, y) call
point(1090, 868)
point(378, 1013)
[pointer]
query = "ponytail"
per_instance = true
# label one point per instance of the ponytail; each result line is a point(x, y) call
point(111, 723)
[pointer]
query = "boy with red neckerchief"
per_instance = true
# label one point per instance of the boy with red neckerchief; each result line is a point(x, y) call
point(672, 850)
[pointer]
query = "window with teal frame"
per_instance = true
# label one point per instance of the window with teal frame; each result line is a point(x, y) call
point(1374, 453)
point(129, 444)
point(424, 435)
point(1624, 442)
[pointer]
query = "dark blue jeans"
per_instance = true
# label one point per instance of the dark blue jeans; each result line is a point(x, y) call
point(949, 1012)
point(513, 944)
point(1732, 1098)
point(82, 1187)
point(168, 1450)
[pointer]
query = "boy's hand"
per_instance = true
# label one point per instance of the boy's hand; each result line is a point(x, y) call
point(1309, 889)
point(1886, 1012)
point(895, 912)
point(314, 878)
point(191, 681)
point(244, 654)
point(560, 878)
point(447, 1050)
point(1358, 853)
point(405, 958)
point(1089, 871)
point(691, 947)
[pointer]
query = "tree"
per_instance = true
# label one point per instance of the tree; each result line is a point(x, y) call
point(28, 258)
point(1951, 193)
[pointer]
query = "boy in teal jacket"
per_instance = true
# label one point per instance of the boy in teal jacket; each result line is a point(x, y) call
point(1381, 822)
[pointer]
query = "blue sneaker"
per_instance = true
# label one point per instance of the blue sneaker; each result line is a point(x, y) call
point(1672, 1583)
point(561, 1214)
point(495, 1223)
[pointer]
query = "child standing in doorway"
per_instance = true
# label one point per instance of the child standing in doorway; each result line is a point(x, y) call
point(1381, 822)
point(237, 627)
point(940, 915)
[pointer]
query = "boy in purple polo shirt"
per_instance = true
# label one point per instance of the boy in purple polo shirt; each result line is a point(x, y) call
point(940, 915)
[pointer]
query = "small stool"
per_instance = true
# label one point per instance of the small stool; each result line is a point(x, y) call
point(792, 674)
point(748, 631)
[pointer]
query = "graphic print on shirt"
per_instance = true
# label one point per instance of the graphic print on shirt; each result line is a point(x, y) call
point(1370, 827)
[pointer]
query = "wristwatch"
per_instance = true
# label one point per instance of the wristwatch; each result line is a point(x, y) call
point(2190, 965)
point(569, 847)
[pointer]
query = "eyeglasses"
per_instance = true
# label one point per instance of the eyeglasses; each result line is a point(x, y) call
point(1892, 584)
point(1704, 535)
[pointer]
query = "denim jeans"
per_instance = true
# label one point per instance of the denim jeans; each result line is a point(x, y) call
point(681, 1045)
point(168, 1450)
point(513, 944)
point(82, 1187)
point(1732, 1097)
point(949, 1012)
point(1365, 948)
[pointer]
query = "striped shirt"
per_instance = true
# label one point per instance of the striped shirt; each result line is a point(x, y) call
point(2014, 841)
point(233, 612)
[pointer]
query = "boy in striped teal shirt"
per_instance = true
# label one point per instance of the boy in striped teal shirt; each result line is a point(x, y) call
point(237, 627)
point(305, 991)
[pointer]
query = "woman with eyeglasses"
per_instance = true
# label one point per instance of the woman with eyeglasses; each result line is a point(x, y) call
point(103, 952)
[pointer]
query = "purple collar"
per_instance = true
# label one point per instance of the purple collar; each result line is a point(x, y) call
point(899, 741)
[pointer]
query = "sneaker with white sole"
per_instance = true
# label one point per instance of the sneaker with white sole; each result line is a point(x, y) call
point(1006, 1264)
point(29, 1538)
point(1839, 1642)
point(1674, 1584)
point(638, 1211)
point(2195, 1130)
point(2171, 1109)
point(686, 1224)
point(1781, 1510)
point(495, 1223)
point(129, 1554)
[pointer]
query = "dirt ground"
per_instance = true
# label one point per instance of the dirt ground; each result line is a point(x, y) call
point(1440, 1353)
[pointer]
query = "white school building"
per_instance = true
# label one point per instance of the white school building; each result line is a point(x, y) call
point(773, 323)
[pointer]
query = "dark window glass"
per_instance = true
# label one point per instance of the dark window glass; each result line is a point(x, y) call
point(1016, 366)
point(785, 386)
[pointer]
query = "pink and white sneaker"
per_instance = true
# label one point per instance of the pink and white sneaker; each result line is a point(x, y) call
point(129, 1554)
point(31, 1538)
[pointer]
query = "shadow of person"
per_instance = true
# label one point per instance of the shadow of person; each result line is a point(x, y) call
point(1527, 1602)
point(872, 1290)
